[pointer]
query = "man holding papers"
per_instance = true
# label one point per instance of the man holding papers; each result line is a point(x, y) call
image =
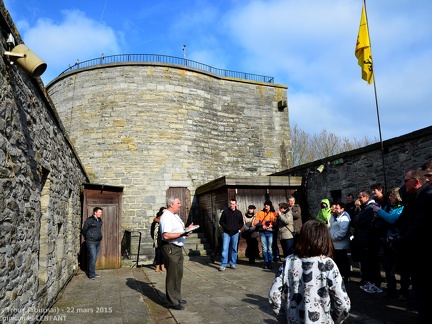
point(173, 238)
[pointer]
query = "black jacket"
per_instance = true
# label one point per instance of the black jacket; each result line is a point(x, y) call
point(350, 209)
point(415, 224)
point(231, 221)
point(92, 229)
point(363, 223)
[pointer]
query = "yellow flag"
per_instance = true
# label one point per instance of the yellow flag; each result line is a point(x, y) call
point(363, 50)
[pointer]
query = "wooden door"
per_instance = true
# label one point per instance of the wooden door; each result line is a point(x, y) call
point(184, 195)
point(109, 254)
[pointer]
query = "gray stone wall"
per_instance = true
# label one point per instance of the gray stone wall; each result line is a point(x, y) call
point(148, 127)
point(40, 179)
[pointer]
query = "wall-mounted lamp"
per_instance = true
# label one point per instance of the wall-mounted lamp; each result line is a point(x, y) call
point(282, 104)
point(23, 56)
point(320, 169)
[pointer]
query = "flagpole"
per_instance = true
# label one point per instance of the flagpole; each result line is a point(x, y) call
point(376, 105)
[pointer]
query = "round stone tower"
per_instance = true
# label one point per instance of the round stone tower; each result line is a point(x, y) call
point(152, 126)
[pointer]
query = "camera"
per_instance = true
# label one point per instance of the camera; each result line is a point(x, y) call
point(267, 223)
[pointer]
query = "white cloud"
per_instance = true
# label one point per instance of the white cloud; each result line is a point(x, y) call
point(74, 37)
point(306, 45)
point(309, 46)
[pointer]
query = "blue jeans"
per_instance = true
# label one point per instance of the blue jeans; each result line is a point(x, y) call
point(266, 238)
point(93, 251)
point(229, 249)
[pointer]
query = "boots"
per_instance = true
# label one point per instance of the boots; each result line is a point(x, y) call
point(157, 268)
point(163, 267)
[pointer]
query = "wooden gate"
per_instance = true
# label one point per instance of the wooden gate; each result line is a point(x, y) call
point(109, 199)
point(109, 256)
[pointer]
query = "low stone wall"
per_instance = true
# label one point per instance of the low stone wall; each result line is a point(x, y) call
point(353, 171)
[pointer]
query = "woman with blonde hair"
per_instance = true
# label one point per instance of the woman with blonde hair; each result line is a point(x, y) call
point(308, 287)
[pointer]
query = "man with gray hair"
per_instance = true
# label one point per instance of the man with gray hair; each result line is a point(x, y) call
point(173, 238)
point(415, 223)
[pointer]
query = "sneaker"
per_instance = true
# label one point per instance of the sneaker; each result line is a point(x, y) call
point(233, 267)
point(365, 285)
point(378, 290)
point(222, 268)
point(372, 289)
point(97, 275)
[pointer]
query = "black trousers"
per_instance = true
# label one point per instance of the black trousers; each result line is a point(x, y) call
point(370, 264)
point(342, 261)
point(159, 259)
point(252, 249)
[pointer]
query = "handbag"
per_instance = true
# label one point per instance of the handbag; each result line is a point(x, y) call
point(259, 226)
point(246, 234)
point(293, 233)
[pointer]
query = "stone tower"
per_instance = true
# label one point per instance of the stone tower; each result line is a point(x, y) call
point(151, 126)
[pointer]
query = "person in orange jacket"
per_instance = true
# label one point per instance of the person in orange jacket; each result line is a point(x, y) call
point(264, 222)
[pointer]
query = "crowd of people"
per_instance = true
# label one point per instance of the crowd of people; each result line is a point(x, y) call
point(386, 231)
point(378, 229)
point(273, 228)
point(381, 230)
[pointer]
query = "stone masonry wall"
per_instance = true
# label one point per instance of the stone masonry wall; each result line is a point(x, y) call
point(148, 127)
point(40, 208)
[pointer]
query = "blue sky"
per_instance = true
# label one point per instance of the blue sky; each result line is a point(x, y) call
point(307, 45)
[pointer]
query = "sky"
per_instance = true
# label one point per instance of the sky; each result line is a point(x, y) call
point(306, 45)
